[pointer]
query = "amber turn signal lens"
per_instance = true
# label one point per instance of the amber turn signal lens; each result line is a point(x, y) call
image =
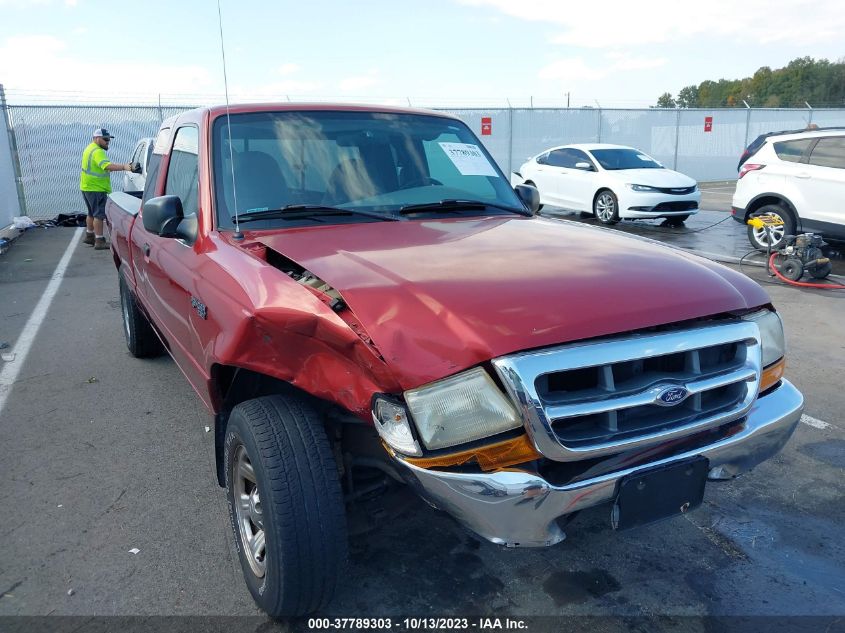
point(772, 374)
point(490, 457)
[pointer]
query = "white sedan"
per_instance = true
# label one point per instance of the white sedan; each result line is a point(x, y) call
point(613, 182)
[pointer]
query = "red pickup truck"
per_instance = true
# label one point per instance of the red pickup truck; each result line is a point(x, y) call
point(356, 288)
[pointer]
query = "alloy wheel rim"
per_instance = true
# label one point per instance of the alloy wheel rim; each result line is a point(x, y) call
point(776, 232)
point(604, 207)
point(250, 519)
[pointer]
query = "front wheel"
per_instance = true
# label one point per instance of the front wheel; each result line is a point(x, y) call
point(285, 504)
point(676, 220)
point(606, 207)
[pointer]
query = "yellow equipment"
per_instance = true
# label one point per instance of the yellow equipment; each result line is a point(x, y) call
point(766, 220)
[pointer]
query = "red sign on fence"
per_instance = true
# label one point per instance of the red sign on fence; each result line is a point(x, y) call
point(486, 126)
point(708, 124)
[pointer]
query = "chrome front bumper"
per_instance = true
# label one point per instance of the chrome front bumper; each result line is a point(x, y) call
point(519, 509)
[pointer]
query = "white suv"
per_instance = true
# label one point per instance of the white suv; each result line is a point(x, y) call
point(797, 176)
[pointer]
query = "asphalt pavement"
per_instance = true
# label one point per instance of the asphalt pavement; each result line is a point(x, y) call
point(109, 504)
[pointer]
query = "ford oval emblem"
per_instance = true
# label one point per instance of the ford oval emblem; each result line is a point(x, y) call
point(670, 396)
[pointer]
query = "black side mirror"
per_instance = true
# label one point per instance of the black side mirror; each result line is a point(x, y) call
point(162, 215)
point(529, 196)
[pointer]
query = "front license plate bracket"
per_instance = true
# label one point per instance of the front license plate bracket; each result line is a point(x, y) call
point(653, 494)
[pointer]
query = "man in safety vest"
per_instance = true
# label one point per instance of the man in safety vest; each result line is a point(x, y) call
point(95, 184)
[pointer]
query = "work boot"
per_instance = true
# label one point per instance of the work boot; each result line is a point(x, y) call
point(100, 244)
point(89, 239)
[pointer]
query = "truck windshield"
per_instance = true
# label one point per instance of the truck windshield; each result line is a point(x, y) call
point(376, 162)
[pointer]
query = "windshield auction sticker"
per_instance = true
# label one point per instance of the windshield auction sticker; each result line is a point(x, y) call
point(469, 159)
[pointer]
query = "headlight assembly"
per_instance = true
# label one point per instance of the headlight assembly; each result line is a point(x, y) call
point(642, 187)
point(771, 334)
point(459, 409)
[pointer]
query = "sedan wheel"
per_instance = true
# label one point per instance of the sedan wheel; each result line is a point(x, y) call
point(606, 207)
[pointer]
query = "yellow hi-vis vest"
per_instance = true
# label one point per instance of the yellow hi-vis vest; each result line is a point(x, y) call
point(94, 176)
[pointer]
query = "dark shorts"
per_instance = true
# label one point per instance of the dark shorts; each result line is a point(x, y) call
point(96, 203)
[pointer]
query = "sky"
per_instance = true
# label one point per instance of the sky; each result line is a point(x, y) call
point(451, 53)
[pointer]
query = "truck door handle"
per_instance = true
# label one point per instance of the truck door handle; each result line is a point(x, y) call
point(146, 250)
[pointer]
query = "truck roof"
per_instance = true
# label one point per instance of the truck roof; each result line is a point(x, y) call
point(241, 108)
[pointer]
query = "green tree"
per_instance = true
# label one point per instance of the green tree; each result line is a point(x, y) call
point(666, 101)
point(689, 97)
point(817, 82)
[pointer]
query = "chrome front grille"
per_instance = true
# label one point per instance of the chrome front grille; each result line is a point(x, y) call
point(591, 399)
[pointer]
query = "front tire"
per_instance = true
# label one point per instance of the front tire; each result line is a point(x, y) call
point(141, 339)
point(758, 237)
point(676, 220)
point(285, 504)
point(606, 207)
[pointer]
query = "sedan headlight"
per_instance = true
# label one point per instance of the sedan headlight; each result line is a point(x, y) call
point(463, 408)
point(771, 334)
point(642, 187)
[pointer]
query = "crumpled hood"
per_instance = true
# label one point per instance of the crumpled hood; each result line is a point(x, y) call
point(440, 296)
point(654, 177)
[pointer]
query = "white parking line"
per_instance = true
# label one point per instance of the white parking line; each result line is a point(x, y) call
point(819, 424)
point(10, 371)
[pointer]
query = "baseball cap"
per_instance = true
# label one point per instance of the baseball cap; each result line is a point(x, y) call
point(101, 131)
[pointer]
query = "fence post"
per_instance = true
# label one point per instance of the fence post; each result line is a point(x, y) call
point(13, 148)
point(510, 139)
point(747, 122)
point(160, 118)
point(598, 125)
point(810, 121)
point(677, 137)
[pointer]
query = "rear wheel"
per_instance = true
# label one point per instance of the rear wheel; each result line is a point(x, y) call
point(285, 504)
point(760, 238)
point(821, 271)
point(606, 207)
point(141, 339)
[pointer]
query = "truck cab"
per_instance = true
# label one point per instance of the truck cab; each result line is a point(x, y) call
point(353, 288)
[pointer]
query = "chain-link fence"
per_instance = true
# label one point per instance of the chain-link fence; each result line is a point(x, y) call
point(705, 144)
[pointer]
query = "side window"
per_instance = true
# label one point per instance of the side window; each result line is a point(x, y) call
point(136, 155)
point(543, 159)
point(159, 147)
point(580, 157)
point(792, 151)
point(182, 173)
point(829, 152)
point(557, 158)
point(562, 158)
